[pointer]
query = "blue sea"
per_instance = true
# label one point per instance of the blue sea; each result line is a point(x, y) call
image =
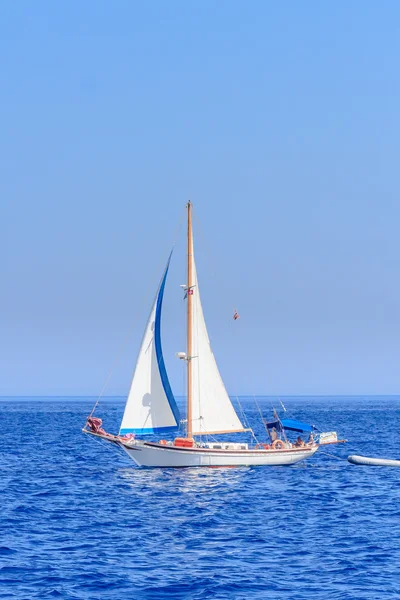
point(79, 521)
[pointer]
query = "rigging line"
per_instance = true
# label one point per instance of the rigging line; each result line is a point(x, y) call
point(213, 262)
point(332, 455)
point(125, 341)
point(241, 410)
point(281, 403)
point(245, 419)
point(285, 409)
point(107, 445)
point(276, 416)
point(270, 402)
point(255, 437)
point(292, 415)
point(211, 255)
point(262, 418)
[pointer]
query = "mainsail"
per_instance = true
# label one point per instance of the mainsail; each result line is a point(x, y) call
point(212, 410)
point(151, 407)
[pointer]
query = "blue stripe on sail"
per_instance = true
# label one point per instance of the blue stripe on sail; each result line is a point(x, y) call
point(159, 354)
point(148, 430)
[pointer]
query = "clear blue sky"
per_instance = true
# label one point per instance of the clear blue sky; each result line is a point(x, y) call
point(279, 120)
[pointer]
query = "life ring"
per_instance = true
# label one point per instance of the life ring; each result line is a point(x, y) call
point(163, 442)
point(278, 445)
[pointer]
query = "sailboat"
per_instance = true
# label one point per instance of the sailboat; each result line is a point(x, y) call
point(151, 409)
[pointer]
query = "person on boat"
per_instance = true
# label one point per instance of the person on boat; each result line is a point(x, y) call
point(299, 442)
point(273, 434)
point(310, 439)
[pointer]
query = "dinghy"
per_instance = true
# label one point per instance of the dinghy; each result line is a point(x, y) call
point(151, 409)
point(373, 462)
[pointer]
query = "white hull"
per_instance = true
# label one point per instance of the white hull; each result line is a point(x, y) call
point(154, 455)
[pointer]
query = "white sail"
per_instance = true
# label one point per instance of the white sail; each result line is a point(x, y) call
point(151, 407)
point(212, 410)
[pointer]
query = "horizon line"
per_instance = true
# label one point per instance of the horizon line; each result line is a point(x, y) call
point(277, 396)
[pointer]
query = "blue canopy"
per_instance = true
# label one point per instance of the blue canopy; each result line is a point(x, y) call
point(293, 425)
point(290, 425)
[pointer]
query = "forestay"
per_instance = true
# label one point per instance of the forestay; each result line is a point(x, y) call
point(212, 410)
point(151, 406)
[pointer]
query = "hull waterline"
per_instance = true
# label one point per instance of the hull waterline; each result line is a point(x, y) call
point(154, 455)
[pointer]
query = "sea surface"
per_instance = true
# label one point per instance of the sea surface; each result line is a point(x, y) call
point(79, 521)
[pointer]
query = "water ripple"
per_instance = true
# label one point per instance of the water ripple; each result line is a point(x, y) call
point(80, 522)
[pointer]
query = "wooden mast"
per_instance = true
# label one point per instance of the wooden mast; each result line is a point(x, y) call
point(189, 321)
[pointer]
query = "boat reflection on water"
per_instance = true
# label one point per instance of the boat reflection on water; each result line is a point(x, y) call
point(189, 480)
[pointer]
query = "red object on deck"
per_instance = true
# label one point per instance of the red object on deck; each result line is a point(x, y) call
point(184, 442)
point(95, 424)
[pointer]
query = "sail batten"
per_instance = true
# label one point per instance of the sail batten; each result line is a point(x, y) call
point(150, 406)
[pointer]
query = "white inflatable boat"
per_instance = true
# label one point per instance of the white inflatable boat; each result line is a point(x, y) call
point(373, 462)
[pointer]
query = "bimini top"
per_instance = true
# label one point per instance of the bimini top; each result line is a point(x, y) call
point(291, 425)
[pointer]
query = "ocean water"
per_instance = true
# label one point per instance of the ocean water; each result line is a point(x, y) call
point(79, 521)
